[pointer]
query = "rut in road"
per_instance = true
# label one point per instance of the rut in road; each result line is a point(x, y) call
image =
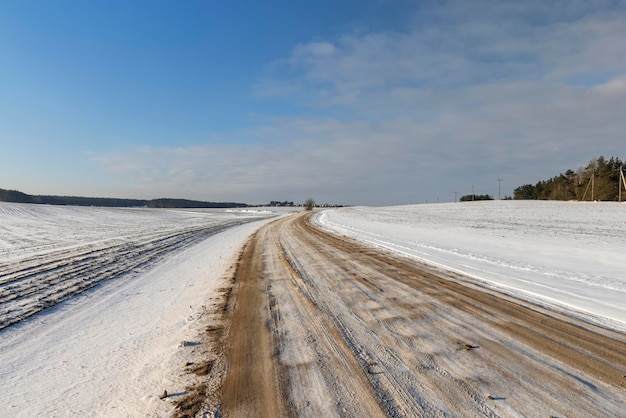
point(340, 329)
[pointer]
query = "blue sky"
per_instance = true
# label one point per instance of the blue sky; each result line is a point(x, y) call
point(358, 102)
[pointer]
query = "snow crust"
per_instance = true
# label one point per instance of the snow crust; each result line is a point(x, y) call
point(569, 255)
point(113, 350)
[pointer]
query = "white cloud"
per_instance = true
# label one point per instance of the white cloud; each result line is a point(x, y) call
point(473, 91)
point(522, 132)
point(468, 43)
point(315, 49)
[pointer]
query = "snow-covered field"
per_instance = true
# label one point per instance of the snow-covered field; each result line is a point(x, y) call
point(112, 350)
point(94, 302)
point(570, 255)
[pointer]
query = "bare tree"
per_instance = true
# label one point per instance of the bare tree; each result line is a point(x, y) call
point(309, 204)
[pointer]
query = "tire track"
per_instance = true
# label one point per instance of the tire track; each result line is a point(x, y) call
point(359, 332)
point(251, 385)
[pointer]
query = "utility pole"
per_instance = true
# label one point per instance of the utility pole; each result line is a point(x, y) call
point(457, 192)
point(473, 194)
point(591, 183)
point(621, 174)
point(593, 176)
point(499, 182)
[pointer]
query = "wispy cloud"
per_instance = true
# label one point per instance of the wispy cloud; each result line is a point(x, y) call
point(464, 44)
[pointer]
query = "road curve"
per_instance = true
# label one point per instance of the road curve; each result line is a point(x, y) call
point(319, 325)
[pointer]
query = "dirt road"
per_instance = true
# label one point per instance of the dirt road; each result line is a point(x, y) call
point(318, 325)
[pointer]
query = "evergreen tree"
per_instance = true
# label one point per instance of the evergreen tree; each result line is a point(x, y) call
point(599, 180)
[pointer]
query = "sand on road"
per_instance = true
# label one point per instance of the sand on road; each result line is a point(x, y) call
point(319, 325)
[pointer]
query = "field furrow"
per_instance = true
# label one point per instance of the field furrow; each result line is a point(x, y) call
point(38, 283)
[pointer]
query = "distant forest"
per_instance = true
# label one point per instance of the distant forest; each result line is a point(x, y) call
point(473, 197)
point(599, 180)
point(19, 197)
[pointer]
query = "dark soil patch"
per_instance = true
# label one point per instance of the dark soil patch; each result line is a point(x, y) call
point(191, 404)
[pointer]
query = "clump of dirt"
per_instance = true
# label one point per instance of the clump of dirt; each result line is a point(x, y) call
point(191, 404)
point(216, 332)
point(204, 396)
point(203, 369)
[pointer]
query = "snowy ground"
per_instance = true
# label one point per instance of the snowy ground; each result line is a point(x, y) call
point(112, 350)
point(566, 254)
point(96, 302)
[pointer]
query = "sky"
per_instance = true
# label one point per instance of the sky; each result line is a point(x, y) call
point(368, 102)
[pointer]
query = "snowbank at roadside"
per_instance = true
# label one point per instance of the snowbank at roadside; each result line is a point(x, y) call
point(112, 351)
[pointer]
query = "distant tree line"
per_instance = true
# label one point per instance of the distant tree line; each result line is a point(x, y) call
point(19, 197)
point(309, 203)
point(599, 180)
point(472, 197)
point(278, 203)
point(184, 203)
